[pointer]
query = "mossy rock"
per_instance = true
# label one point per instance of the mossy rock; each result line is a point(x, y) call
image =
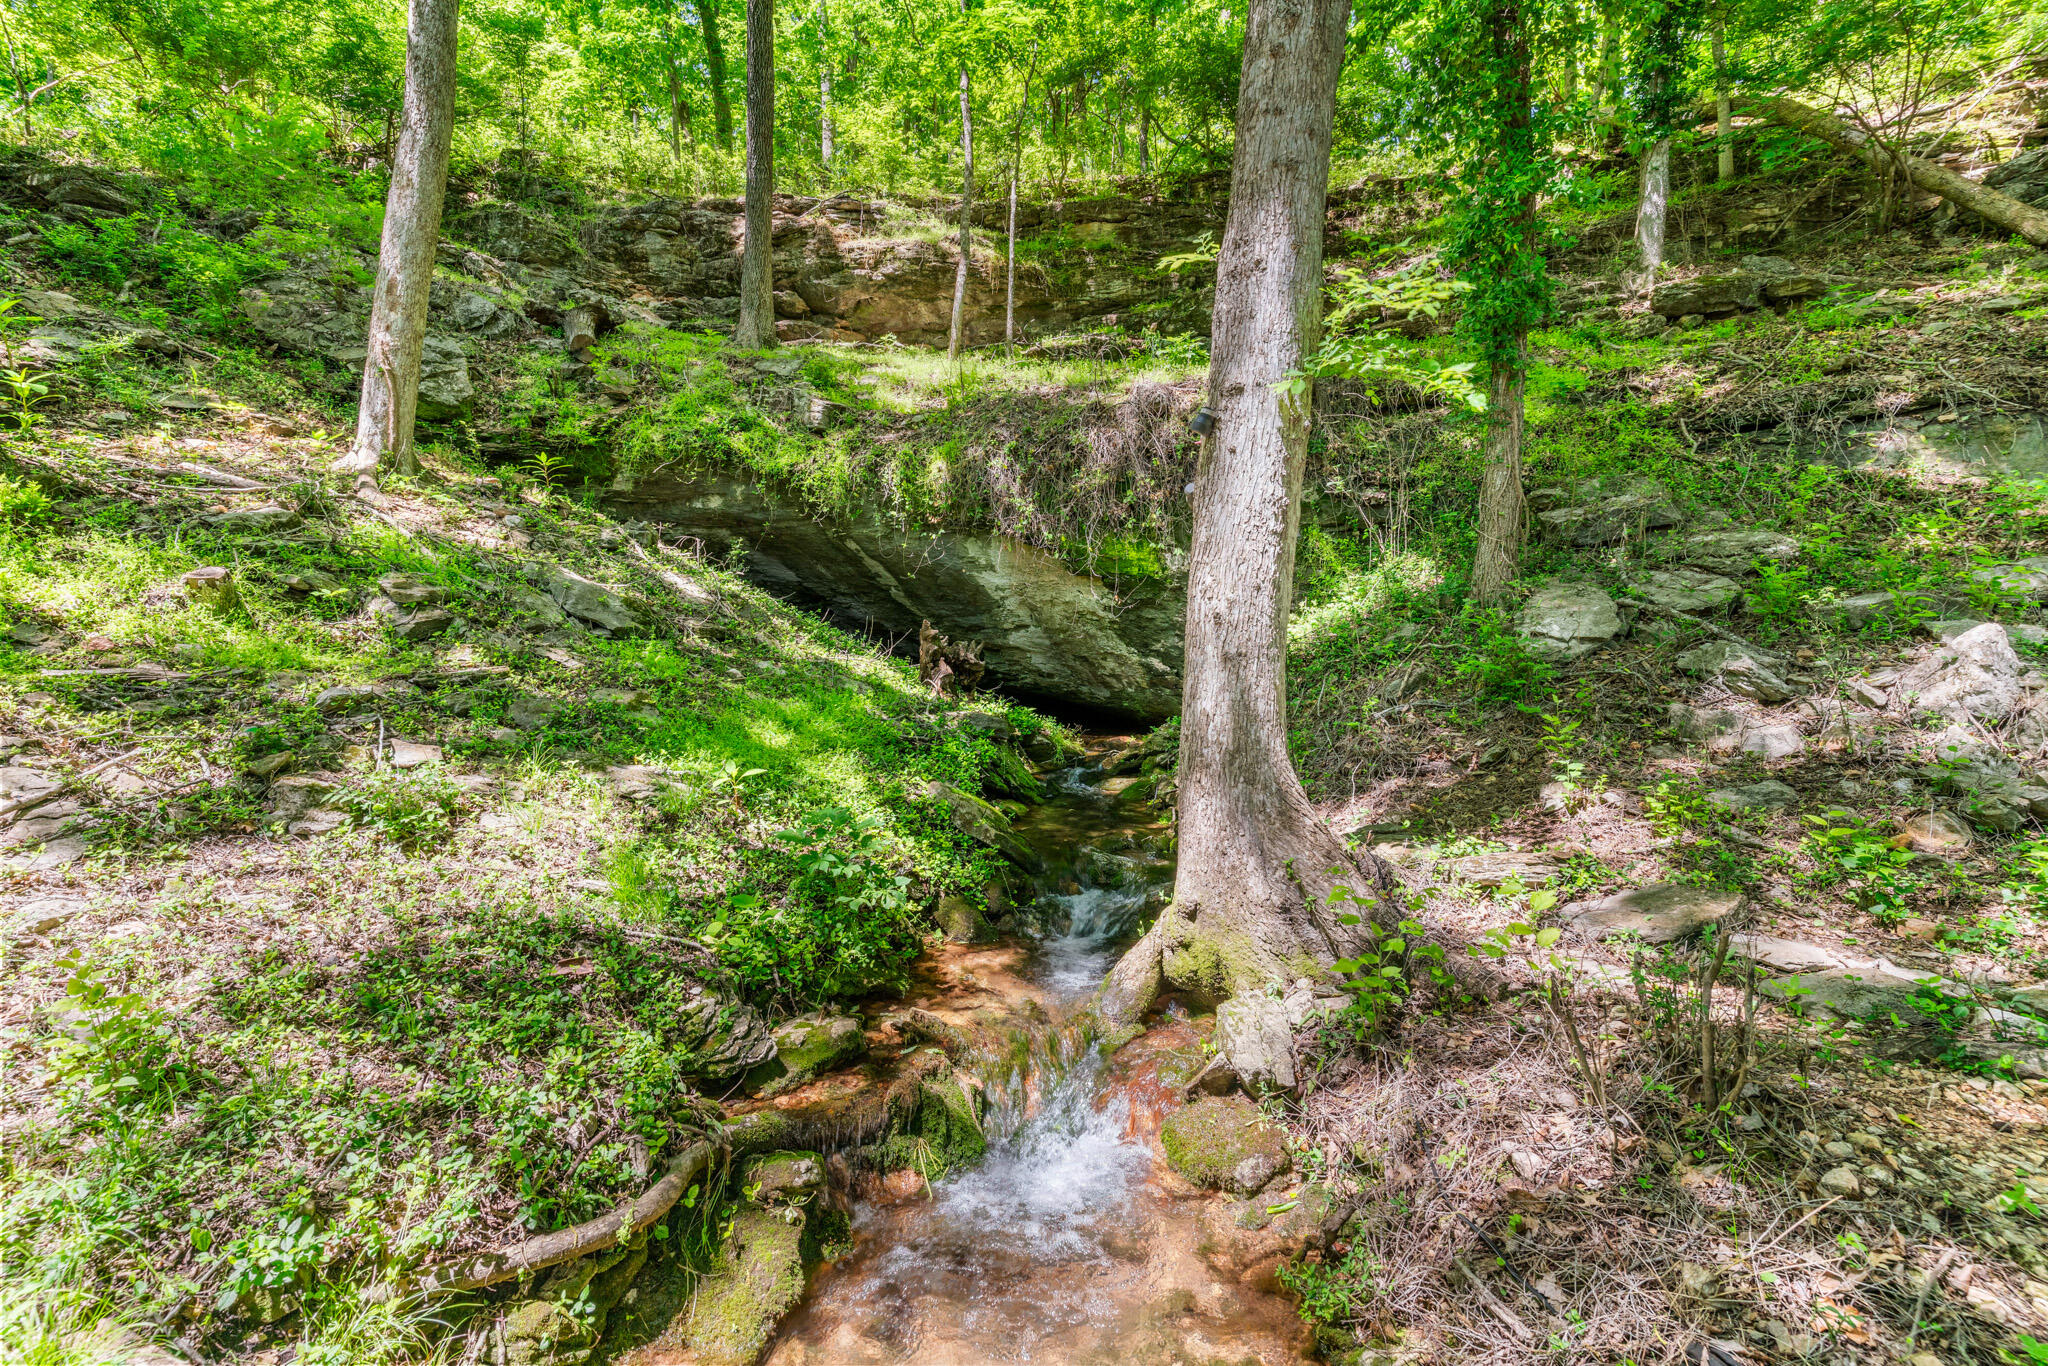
point(806, 1048)
point(1224, 1143)
point(942, 1136)
point(759, 1279)
point(562, 1324)
point(783, 1179)
point(1009, 776)
point(961, 923)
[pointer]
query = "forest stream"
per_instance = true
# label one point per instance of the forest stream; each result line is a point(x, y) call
point(1071, 1241)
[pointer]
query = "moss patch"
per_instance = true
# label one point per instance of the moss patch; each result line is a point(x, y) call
point(1210, 1140)
point(760, 1279)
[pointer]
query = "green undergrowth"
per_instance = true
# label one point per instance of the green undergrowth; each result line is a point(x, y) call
point(277, 1065)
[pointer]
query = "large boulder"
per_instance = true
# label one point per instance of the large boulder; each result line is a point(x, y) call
point(1975, 674)
point(978, 820)
point(511, 233)
point(718, 1038)
point(1224, 1143)
point(1567, 621)
point(804, 1048)
point(1710, 295)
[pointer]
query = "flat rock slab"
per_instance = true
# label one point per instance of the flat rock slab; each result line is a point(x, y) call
point(1684, 590)
point(1819, 977)
point(1768, 795)
point(1658, 914)
point(1731, 552)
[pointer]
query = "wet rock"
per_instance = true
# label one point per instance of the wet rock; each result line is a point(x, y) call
point(783, 1180)
point(590, 602)
point(1762, 796)
point(1708, 295)
point(1567, 621)
point(1741, 669)
point(718, 1038)
point(1976, 674)
point(1936, 832)
point(1256, 1038)
point(759, 1278)
point(563, 1323)
point(1658, 914)
point(805, 1048)
point(978, 820)
point(961, 921)
point(1217, 1139)
point(1730, 552)
point(1683, 590)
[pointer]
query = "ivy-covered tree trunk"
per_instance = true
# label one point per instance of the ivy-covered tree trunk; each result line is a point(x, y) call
point(1497, 244)
point(1256, 864)
point(756, 326)
point(714, 68)
point(405, 259)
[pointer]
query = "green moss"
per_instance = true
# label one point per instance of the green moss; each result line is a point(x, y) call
point(759, 1279)
point(941, 1136)
point(1206, 1141)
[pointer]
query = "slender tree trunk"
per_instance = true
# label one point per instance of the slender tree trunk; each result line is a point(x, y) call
point(678, 110)
point(2014, 215)
point(756, 327)
point(1607, 86)
point(1144, 139)
point(1256, 864)
point(1724, 122)
point(953, 337)
point(1498, 553)
point(714, 63)
point(824, 95)
point(1655, 205)
point(1016, 169)
point(405, 260)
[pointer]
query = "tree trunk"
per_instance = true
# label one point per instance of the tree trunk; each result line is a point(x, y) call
point(756, 327)
point(1606, 110)
point(678, 110)
point(1256, 864)
point(714, 62)
point(2002, 209)
point(824, 96)
point(1016, 169)
point(953, 337)
point(1656, 201)
point(1724, 122)
point(405, 260)
point(1498, 553)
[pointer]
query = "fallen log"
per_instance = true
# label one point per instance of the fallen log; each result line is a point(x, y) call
point(2002, 209)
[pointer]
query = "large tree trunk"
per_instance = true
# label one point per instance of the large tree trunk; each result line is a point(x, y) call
point(824, 95)
point(405, 261)
point(756, 326)
point(1498, 553)
point(1724, 120)
point(1256, 864)
point(1655, 204)
point(714, 64)
point(953, 332)
point(2002, 209)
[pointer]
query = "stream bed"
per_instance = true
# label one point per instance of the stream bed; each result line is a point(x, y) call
point(1071, 1242)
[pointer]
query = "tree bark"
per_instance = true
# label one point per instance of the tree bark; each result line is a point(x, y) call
point(1016, 169)
point(405, 259)
point(824, 96)
point(1656, 202)
point(756, 327)
point(678, 109)
point(953, 337)
point(1724, 122)
point(2001, 209)
point(1498, 553)
point(714, 63)
point(1607, 83)
point(1256, 864)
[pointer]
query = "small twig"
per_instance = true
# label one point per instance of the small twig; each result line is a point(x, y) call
point(1756, 1255)
point(1941, 1264)
point(1493, 1304)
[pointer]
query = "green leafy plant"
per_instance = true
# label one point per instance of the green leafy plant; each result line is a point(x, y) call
point(414, 808)
point(24, 390)
point(1870, 862)
point(22, 500)
point(109, 1049)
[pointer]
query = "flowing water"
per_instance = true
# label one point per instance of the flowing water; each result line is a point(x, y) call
point(1070, 1242)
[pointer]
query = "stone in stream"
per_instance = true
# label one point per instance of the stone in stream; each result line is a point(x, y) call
point(1658, 914)
point(1224, 1143)
point(1566, 621)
